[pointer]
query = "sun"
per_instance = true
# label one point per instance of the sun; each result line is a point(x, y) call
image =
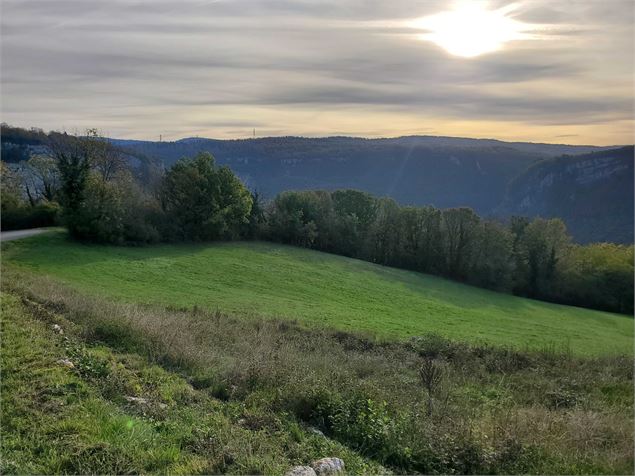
point(470, 29)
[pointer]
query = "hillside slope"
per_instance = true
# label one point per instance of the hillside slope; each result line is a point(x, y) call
point(91, 385)
point(592, 193)
point(76, 406)
point(271, 280)
point(416, 170)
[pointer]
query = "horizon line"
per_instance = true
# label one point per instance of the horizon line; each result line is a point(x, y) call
point(330, 136)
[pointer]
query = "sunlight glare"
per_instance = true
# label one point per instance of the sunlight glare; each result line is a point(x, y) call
point(470, 29)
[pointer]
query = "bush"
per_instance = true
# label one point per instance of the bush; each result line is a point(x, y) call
point(99, 217)
point(363, 424)
point(434, 346)
point(23, 216)
point(116, 212)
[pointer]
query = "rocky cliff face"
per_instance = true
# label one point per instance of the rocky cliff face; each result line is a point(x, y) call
point(592, 193)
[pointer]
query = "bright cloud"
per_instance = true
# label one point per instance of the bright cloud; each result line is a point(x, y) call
point(538, 70)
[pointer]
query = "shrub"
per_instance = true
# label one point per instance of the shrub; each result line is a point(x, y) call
point(22, 216)
point(363, 424)
point(434, 346)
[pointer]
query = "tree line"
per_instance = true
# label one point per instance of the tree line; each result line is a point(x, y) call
point(87, 184)
point(533, 258)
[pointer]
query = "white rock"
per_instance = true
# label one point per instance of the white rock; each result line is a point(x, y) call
point(328, 466)
point(57, 328)
point(315, 431)
point(139, 400)
point(66, 363)
point(300, 471)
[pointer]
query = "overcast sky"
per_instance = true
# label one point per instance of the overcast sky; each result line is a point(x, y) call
point(137, 69)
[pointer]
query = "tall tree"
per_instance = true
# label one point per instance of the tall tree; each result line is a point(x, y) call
point(541, 246)
point(459, 231)
point(354, 211)
point(382, 238)
point(72, 155)
point(204, 201)
point(106, 159)
point(303, 218)
point(41, 178)
point(493, 263)
point(419, 238)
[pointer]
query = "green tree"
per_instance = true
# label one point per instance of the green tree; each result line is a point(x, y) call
point(517, 227)
point(354, 211)
point(541, 246)
point(257, 219)
point(203, 201)
point(381, 243)
point(493, 263)
point(72, 155)
point(302, 218)
point(598, 275)
point(361, 205)
point(459, 232)
point(419, 238)
point(99, 217)
point(117, 211)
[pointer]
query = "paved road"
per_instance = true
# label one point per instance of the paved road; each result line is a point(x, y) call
point(17, 234)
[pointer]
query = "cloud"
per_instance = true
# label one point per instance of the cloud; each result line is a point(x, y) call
point(136, 67)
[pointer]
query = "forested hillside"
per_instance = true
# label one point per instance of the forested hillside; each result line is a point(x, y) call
point(592, 193)
point(417, 170)
point(589, 188)
point(489, 176)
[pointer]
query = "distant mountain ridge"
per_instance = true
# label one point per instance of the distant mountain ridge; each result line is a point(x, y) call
point(493, 177)
point(416, 170)
point(543, 149)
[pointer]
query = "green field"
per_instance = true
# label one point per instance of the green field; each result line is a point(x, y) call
point(263, 279)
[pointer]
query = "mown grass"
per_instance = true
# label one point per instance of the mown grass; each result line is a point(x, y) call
point(239, 395)
point(262, 279)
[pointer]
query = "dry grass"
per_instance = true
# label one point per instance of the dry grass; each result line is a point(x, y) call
point(495, 410)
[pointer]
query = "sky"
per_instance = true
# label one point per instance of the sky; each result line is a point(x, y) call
point(529, 70)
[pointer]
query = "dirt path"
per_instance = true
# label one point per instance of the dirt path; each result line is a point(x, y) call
point(17, 234)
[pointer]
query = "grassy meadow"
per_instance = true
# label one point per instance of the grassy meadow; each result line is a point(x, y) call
point(318, 289)
point(131, 388)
